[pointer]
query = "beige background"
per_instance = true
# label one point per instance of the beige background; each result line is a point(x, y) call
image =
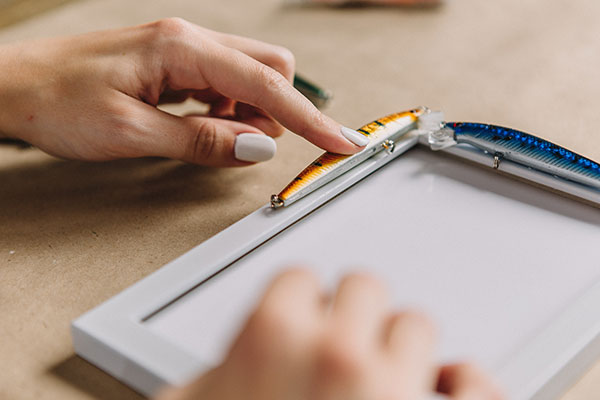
point(73, 234)
point(12, 11)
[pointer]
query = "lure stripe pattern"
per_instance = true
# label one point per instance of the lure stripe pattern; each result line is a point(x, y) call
point(517, 142)
point(331, 161)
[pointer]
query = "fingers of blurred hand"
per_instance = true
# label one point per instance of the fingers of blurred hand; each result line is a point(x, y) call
point(409, 342)
point(287, 316)
point(358, 311)
point(467, 382)
point(293, 288)
point(369, 353)
point(190, 61)
point(348, 355)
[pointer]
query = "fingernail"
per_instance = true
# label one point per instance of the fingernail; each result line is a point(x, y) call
point(254, 147)
point(355, 137)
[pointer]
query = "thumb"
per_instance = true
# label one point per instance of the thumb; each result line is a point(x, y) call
point(204, 140)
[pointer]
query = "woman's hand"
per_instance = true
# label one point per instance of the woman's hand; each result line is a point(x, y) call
point(94, 96)
point(300, 344)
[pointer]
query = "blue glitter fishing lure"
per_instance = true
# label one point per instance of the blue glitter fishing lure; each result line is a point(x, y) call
point(519, 147)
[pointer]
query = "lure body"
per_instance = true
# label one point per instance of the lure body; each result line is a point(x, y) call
point(381, 134)
point(526, 149)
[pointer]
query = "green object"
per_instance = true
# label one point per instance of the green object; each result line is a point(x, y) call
point(318, 96)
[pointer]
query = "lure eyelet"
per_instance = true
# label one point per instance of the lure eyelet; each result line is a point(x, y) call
point(389, 146)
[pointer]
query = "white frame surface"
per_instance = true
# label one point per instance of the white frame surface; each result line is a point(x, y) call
point(113, 336)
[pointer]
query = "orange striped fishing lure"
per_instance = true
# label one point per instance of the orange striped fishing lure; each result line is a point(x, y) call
point(381, 134)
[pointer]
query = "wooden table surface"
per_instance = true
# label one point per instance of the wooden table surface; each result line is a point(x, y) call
point(12, 11)
point(74, 234)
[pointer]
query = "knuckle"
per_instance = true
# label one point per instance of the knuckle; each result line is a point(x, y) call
point(284, 61)
point(273, 81)
point(270, 84)
point(165, 33)
point(203, 142)
point(173, 26)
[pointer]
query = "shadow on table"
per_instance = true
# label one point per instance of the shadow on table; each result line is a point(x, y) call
point(82, 375)
point(66, 195)
point(67, 183)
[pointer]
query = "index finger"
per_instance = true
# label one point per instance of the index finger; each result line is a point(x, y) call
point(201, 64)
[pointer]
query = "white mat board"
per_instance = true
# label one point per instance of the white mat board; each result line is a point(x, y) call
point(492, 260)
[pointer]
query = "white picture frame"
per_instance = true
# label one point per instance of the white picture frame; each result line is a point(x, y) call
point(113, 336)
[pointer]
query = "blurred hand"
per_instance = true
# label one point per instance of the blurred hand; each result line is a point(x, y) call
point(302, 345)
point(94, 96)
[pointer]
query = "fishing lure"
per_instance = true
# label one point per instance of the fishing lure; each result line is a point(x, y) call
point(381, 134)
point(499, 143)
point(318, 96)
point(519, 147)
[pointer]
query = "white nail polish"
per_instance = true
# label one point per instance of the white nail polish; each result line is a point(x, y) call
point(355, 137)
point(254, 147)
